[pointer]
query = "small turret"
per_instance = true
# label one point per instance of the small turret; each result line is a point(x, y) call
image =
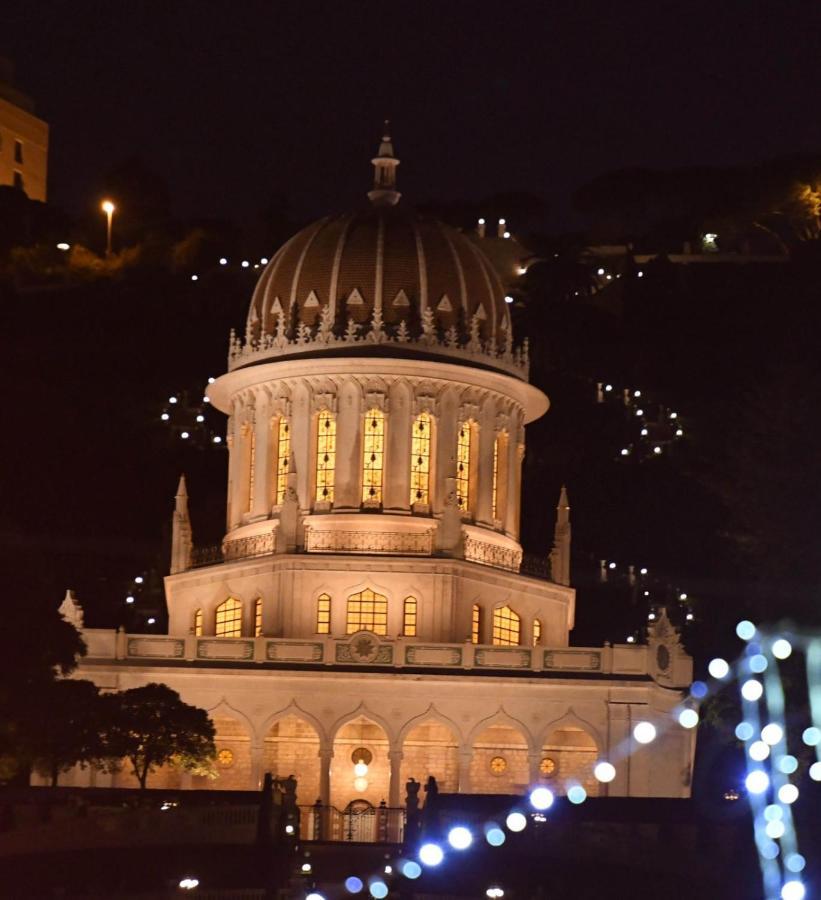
point(71, 610)
point(181, 537)
point(560, 554)
point(384, 191)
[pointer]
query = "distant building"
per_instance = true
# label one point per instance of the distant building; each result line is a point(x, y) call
point(23, 139)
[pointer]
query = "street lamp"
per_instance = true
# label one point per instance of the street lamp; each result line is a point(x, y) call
point(108, 208)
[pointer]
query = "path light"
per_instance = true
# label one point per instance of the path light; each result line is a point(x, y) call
point(718, 668)
point(644, 732)
point(577, 794)
point(494, 835)
point(604, 772)
point(460, 838)
point(108, 208)
point(516, 821)
point(63, 246)
point(431, 854)
point(189, 883)
point(494, 892)
point(411, 869)
point(541, 798)
point(782, 648)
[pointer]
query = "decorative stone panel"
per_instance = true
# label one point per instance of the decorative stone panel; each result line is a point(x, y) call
point(159, 647)
point(578, 660)
point(225, 648)
point(405, 543)
point(421, 655)
point(364, 647)
point(492, 554)
point(294, 651)
point(503, 658)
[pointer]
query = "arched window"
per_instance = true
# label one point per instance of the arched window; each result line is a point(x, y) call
point(373, 456)
point(228, 620)
point(499, 499)
point(283, 458)
point(420, 459)
point(258, 617)
point(466, 441)
point(475, 624)
point(505, 627)
point(537, 632)
point(198, 622)
point(325, 456)
point(409, 617)
point(367, 611)
point(323, 614)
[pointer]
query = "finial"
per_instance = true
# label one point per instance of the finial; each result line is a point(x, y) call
point(384, 191)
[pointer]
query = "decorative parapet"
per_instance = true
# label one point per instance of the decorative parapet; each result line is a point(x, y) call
point(488, 554)
point(233, 550)
point(462, 346)
point(393, 542)
point(367, 649)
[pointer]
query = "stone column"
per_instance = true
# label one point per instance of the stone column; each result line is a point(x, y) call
point(445, 449)
point(395, 788)
point(257, 763)
point(534, 757)
point(261, 501)
point(233, 515)
point(396, 477)
point(619, 728)
point(515, 455)
point(326, 754)
point(348, 470)
point(465, 759)
point(302, 443)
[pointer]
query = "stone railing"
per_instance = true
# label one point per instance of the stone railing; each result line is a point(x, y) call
point(366, 649)
point(402, 543)
point(230, 551)
point(492, 554)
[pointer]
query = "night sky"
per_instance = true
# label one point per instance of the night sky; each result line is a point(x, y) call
point(234, 102)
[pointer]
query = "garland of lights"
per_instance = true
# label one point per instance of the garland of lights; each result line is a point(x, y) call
point(187, 419)
point(658, 426)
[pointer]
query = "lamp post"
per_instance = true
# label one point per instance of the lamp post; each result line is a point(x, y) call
point(108, 208)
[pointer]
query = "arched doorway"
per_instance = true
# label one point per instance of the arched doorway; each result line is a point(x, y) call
point(431, 748)
point(568, 756)
point(499, 764)
point(291, 747)
point(360, 769)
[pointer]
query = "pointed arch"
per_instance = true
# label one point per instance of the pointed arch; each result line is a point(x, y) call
point(570, 719)
point(363, 710)
point(295, 710)
point(502, 717)
point(431, 714)
point(223, 709)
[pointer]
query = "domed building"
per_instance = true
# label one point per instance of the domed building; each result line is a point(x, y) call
point(369, 617)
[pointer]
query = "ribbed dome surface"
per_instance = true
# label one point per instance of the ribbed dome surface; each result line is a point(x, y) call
point(380, 259)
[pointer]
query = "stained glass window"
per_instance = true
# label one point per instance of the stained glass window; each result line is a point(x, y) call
point(373, 456)
point(476, 624)
point(463, 461)
point(325, 456)
point(198, 623)
point(258, 617)
point(537, 631)
point(409, 617)
point(369, 611)
point(283, 458)
point(323, 614)
point(505, 627)
point(229, 619)
point(250, 436)
point(420, 459)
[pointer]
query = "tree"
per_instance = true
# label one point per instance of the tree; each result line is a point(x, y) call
point(151, 726)
point(71, 733)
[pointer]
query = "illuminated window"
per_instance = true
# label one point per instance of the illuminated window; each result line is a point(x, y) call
point(373, 456)
point(505, 627)
point(367, 611)
point(464, 451)
point(250, 437)
point(499, 497)
point(229, 619)
point(409, 617)
point(323, 614)
point(258, 617)
point(283, 458)
point(420, 459)
point(537, 631)
point(325, 456)
point(198, 623)
point(475, 624)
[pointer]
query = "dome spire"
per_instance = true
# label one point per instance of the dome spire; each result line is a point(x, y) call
point(384, 191)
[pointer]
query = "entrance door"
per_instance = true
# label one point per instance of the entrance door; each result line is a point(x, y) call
point(359, 821)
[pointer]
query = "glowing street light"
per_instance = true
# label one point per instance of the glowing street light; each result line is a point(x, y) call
point(108, 208)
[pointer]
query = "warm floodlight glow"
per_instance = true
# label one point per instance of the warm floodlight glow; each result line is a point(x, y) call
point(541, 798)
point(431, 854)
point(757, 781)
point(751, 690)
point(718, 668)
point(604, 772)
point(107, 207)
point(745, 630)
point(688, 718)
point(63, 246)
point(460, 838)
point(516, 821)
point(644, 732)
